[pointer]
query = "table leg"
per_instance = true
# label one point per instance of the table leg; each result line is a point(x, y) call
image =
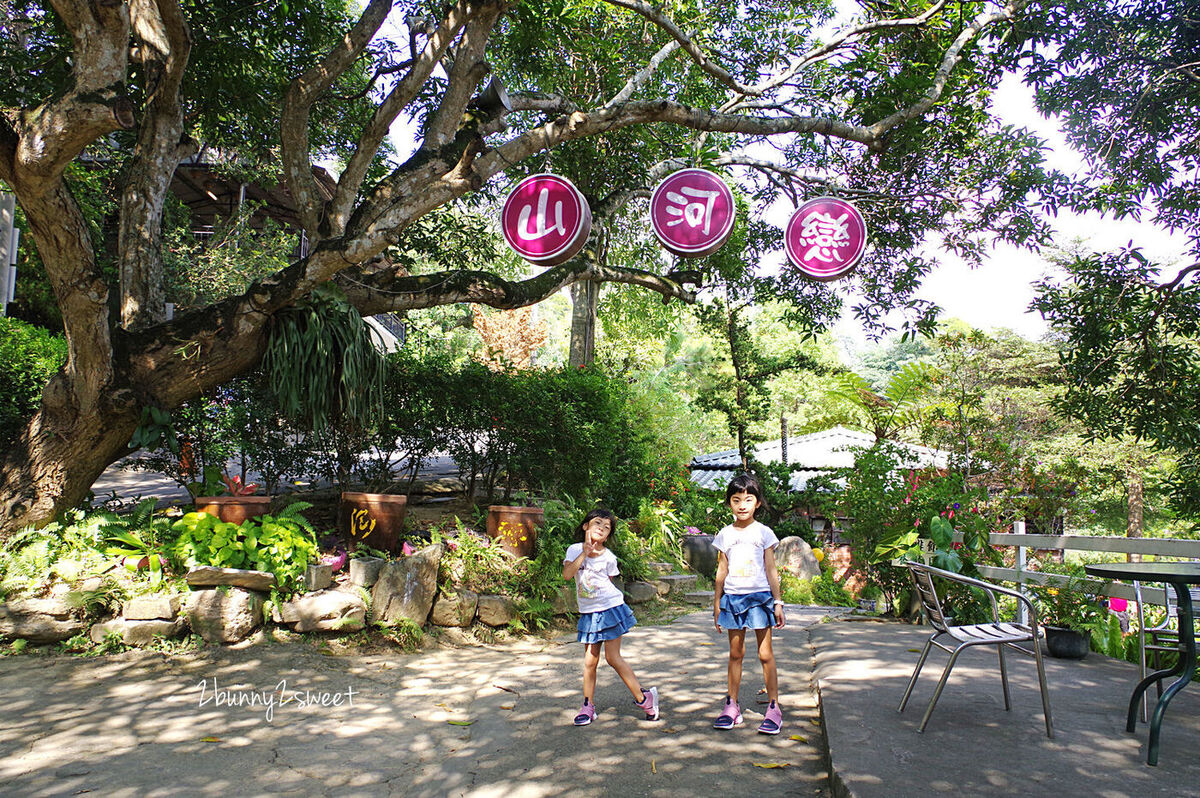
point(1187, 666)
point(1138, 692)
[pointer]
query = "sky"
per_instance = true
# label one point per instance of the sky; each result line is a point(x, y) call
point(997, 294)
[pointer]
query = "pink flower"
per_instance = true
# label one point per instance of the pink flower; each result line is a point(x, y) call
point(406, 549)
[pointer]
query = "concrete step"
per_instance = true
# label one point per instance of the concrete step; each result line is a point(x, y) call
point(699, 597)
point(675, 584)
point(660, 567)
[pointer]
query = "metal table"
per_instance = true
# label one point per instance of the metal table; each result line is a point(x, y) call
point(1179, 575)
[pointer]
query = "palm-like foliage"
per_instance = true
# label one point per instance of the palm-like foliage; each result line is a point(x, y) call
point(902, 406)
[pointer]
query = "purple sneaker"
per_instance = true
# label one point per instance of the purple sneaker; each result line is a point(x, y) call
point(587, 713)
point(649, 703)
point(773, 721)
point(730, 716)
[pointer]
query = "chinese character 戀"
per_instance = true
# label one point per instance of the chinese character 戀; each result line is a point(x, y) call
point(825, 235)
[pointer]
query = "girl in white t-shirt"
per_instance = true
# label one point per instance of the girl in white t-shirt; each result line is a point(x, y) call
point(747, 597)
point(603, 614)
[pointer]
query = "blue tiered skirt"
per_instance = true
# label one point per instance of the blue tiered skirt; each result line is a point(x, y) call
point(747, 610)
point(596, 627)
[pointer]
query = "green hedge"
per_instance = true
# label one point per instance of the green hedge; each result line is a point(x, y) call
point(29, 356)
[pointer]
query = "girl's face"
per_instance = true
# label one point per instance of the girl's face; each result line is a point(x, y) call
point(743, 505)
point(597, 530)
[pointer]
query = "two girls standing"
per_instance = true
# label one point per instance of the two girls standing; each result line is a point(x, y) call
point(747, 597)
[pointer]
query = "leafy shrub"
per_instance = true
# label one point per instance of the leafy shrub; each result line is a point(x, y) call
point(29, 356)
point(821, 591)
point(283, 544)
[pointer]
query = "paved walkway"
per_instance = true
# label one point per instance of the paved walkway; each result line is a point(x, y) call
point(972, 746)
point(143, 724)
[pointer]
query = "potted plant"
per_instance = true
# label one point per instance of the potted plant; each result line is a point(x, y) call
point(228, 498)
point(1069, 613)
point(515, 528)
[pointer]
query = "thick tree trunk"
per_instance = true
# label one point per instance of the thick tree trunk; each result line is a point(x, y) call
point(584, 302)
point(1135, 527)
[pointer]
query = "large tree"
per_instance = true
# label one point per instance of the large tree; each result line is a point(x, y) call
point(1124, 78)
point(890, 109)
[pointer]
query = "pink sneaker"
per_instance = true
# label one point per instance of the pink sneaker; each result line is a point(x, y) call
point(649, 703)
point(587, 713)
point(730, 716)
point(773, 721)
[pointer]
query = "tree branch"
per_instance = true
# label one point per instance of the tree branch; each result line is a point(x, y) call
point(385, 291)
point(469, 68)
point(686, 42)
point(303, 92)
point(165, 41)
point(52, 134)
point(640, 78)
point(350, 181)
point(978, 25)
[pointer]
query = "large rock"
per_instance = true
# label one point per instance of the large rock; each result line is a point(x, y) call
point(566, 601)
point(325, 611)
point(455, 608)
point(701, 554)
point(136, 633)
point(152, 608)
point(225, 616)
point(497, 610)
point(407, 587)
point(208, 576)
point(640, 592)
point(796, 557)
point(48, 620)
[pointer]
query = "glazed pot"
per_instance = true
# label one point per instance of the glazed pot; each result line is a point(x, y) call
point(374, 519)
point(233, 509)
point(515, 528)
point(1067, 643)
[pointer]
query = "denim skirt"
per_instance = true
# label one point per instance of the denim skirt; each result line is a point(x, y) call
point(596, 627)
point(747, 610)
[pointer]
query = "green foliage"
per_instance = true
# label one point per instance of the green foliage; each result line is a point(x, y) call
point(283, 544)
point(321, 362)
point(137, 541)
point(821, 591)
point(405, 633)
point(661, 529)
point(29, 356)
point(1070, 604)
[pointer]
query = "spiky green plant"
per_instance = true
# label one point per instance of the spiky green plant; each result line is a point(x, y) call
point(321, 362)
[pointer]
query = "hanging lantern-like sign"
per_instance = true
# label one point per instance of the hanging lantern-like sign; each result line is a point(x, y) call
point(825, 238)
point(692, 212)
point(546, 220)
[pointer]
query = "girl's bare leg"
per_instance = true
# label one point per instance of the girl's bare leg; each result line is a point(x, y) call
point(591, 659)
point(737, 651)
point(612, 653)
point(766, 655)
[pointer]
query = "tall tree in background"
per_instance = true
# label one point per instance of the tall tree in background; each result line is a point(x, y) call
point(1124, 79)
point(891, 110)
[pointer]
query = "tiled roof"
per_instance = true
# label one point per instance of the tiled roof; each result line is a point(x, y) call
point(816, 453)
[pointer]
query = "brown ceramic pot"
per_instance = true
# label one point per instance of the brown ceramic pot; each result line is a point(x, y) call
point(234, 509)
point(374, 519)
point(515, 528)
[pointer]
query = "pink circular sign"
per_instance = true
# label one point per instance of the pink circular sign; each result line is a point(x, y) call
point(692, 212)
point(546, 220)
point(825, 238)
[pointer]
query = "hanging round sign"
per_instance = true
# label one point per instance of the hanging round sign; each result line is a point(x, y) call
point(546, 220)
point(825, 238)
point(692, 212)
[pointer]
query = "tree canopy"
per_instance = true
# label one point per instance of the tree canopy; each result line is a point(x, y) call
point(887, 107)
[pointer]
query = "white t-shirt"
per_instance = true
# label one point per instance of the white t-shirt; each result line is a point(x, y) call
point(593, 580)
point(744, 549)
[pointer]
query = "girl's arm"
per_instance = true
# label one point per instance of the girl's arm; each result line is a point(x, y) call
point(773, 580)
point(719, 586)
point(571, 568)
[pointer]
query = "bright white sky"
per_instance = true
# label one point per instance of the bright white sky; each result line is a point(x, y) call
point(998, 293)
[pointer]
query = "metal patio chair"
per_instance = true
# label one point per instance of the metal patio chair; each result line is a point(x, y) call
point(1157, 641)
point(954, 639)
